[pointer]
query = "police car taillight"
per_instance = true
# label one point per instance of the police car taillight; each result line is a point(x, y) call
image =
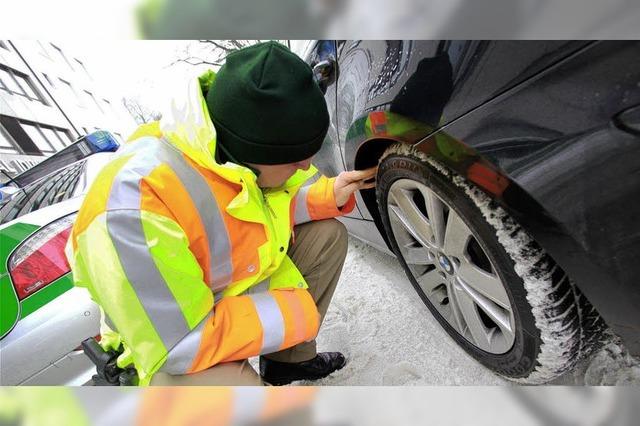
point(40, 259)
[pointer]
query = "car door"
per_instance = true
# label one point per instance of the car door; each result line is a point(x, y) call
point(371, 72)
point(321, 55)
point(430, 82)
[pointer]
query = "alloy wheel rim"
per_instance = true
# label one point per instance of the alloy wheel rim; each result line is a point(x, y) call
point(451, 267)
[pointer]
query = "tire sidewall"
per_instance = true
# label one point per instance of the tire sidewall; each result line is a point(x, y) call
point(521, 359)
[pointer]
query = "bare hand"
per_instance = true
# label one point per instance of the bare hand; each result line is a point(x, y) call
point(349, 182)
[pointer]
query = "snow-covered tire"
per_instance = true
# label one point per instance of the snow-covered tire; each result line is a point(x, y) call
point(555, 325)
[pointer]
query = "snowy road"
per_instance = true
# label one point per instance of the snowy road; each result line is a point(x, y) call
point(390, 338)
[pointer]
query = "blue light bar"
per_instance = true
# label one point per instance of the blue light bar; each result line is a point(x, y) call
point(102, 141)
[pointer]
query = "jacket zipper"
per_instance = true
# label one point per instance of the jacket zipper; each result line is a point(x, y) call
point(269, 205)
point(272, 229)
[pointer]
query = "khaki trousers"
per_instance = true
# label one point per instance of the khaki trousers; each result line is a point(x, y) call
point(319, 251)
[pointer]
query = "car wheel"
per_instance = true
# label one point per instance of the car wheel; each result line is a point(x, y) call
point(488, 283)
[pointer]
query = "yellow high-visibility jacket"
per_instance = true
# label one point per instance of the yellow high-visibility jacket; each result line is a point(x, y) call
point(167, 242)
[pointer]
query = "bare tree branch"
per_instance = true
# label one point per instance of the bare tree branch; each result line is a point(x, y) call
point(220, 46)
point(195, 61)
point(237, 44)
point(139, 112)
point(211, 52)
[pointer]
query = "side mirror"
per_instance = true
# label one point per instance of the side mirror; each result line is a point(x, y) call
point(324, 73)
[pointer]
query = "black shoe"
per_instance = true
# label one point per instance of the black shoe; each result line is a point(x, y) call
point(278, 373)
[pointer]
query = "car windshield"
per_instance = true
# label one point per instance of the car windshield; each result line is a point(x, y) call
point(52, 189)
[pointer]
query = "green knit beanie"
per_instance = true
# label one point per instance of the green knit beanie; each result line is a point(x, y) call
point(266, 106)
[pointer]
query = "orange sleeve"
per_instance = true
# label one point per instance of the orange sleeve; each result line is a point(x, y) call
point(256, 324)
point(317, 201)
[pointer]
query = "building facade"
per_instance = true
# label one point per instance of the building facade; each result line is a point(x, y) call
point(48, 99)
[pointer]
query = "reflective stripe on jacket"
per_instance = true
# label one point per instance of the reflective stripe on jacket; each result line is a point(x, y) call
point(165, 233)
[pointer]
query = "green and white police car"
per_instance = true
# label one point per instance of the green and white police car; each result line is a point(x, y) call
point(43, 317)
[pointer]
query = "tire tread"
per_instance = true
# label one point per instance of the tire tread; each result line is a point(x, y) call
point(570, 328)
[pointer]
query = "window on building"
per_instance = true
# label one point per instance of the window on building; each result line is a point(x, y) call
point(61, 53)
point(7, 144)
point(29, 88)
point(83, 67)
point(108, 105)
point(94, 101)
point(48, 139)
point(111, 108)
point(43, 50)
point(38, 138)
point(64, 136)
point(53, 138)
point(46, 77)
point(20, 84)
point(71, 93)
point(8, 83)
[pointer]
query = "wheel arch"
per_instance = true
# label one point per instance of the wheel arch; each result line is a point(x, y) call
point(467, 162)
point(368, 155)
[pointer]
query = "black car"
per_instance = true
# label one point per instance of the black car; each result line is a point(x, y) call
point(508, 186)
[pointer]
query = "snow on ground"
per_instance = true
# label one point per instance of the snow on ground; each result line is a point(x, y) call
point(387, 334)
point(390, 338)
point(610, 366)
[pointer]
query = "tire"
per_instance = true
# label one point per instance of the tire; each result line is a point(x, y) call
point(495, 291)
